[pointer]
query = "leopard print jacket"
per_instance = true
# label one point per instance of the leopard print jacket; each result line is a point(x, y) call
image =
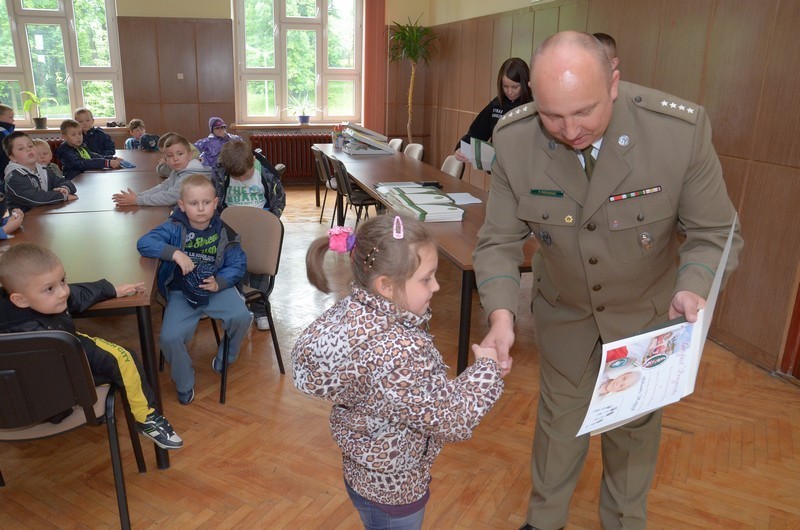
point(394, 407)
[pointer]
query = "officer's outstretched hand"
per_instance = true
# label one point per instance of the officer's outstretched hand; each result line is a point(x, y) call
point(686, 304)
point(501, 337)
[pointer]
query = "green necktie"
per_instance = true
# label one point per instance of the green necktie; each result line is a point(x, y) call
point(588, 160)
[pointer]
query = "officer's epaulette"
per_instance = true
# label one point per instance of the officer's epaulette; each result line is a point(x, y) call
point(515, 114)
point(664, 103)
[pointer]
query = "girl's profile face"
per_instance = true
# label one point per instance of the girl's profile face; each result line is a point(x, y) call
point(418, 291)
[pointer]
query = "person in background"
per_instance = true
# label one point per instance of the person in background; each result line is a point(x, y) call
point(28, 183)
point(139, 138)
point(211, 145)
point(607, 266)
point(6, 128)
point(177, 153)
point(201, 263)
point(46, 156)
point(513, 90)
point(76, 157)
point(610, 46)
point(94, 138)
point(244, 181)
point(371, 354)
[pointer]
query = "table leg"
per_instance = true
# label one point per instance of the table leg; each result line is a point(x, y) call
point(145, 321)
point(465, 320)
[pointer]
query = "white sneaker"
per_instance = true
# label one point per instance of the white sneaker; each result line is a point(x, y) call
point(262, 323)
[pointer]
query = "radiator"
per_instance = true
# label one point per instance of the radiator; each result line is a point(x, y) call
point(294, 151)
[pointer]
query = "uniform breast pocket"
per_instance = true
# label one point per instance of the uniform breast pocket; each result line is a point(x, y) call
point(641, 226)
point(552, 221)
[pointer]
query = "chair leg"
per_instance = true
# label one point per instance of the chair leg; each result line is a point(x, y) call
point(274, 337)
point(116, 461)
point(216, 331)
point(135, 441)
point(160, 361)
point(2, 482)
point(324, 200)
point(224, 376)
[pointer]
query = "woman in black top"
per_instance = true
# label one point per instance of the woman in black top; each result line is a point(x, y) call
point(512, 90)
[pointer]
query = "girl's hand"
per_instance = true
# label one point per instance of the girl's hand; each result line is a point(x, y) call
point(483, 352)
point(129, 289)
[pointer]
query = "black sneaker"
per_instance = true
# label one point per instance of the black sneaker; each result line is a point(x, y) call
point(157, 428)
point(184, 398)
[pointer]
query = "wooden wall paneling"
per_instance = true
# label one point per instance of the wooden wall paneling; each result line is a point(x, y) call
point(736, 45)
point(544, 25)
point(177, 56)
point(501, 41)
point(183, 118)
point(138, 47)
point(392, 97)
point(775, 133)
point(150, 113)
point(573, 16)
point(375, 67)
point(485, 82)
point(215, 70)
point(682, 46)
point(466, 64)
point(522, 36)
point(638, 40)
point(604, 16)
point(770, 218)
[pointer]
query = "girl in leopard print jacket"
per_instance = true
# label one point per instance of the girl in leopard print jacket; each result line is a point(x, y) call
point(372, 356)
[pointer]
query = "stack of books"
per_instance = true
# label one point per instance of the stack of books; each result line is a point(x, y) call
point(424, 203)
point(361, 141)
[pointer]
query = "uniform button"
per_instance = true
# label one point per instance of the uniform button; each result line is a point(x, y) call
point(638, 99)
point(591, 227)
point(545, 216)
point(596, 287)
point(640, 217)
point(601, 308)
point(592, 261)
point(539, 278)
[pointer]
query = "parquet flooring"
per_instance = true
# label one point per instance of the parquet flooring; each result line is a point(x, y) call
point(730, 453)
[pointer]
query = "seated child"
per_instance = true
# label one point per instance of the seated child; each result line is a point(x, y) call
point(94, 138)
point(35, 296)
point(8, 223)
point(162, 168)
point(246, 182)
point(139, 137)
point(201, 263)
point(177, 154)
point(211, 145)
point(75, 157)
point(46, 156)
point(28, 183)
point(6, 128)
point(371, 354)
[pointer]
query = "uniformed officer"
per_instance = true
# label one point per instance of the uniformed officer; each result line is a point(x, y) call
point(628, 238)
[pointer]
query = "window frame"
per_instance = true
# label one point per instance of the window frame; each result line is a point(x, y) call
point(76, 74)
point(283, 23)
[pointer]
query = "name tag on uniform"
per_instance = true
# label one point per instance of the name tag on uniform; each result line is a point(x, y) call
point(632, 194)
point(548, 193)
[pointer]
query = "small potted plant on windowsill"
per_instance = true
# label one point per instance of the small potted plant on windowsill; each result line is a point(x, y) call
point(301, 107)
point(33, 100)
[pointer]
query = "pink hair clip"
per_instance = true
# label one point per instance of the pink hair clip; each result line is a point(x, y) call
point(341, 239)
point(397, 228)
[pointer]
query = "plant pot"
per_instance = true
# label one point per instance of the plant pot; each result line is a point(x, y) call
point(304, 119)
point(40, 123)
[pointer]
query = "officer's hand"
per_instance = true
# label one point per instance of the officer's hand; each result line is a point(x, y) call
point(686, 304)
point(501, 337)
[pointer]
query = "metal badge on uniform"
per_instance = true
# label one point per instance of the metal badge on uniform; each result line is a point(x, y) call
point(646, 240)
point(568, 219)
point(623, 140)
point(544, 236)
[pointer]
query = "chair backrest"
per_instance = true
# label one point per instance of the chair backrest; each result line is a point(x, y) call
point(262, 237)
point(414, 151)
point(43, 374)
point(396, 143)
point(342, 176)
point(323, 167)
point(453, 166)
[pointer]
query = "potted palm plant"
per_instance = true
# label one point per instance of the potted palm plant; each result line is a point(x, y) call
point(32, 100)
point(301, 107)
point(414, 43)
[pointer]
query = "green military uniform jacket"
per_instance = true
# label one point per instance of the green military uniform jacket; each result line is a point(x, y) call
point(652, 221)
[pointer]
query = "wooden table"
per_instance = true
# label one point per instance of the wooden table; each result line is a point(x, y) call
point(456, 240)
point(145, 161)
point(98, 244)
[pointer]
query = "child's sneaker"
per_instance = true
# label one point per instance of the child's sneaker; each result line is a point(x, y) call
point(157, 428)
point(262, 323)
point(216, 365)
point(184, 398)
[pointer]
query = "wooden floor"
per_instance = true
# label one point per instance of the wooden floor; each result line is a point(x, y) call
point(730, 453)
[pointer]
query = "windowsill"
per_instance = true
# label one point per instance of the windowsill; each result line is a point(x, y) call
point(315, 126)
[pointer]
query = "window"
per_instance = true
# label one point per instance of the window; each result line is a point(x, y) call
point(298, 57)
point(64, 51)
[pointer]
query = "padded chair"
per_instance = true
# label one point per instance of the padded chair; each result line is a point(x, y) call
point(262, 240)
point(396, 144)
point(414, 151)
point(44, 374)
point(357, 197)
point(453, 166)
point(323, 169)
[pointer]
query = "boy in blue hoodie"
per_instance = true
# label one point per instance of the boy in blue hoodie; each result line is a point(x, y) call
point(94, 138)
point(201, 263)
point(211, 145)
point(6, 127)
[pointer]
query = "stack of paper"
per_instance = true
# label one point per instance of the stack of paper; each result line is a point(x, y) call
point(426, 204)
point(368, 132)
point(480, 153)
point(365, 142)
